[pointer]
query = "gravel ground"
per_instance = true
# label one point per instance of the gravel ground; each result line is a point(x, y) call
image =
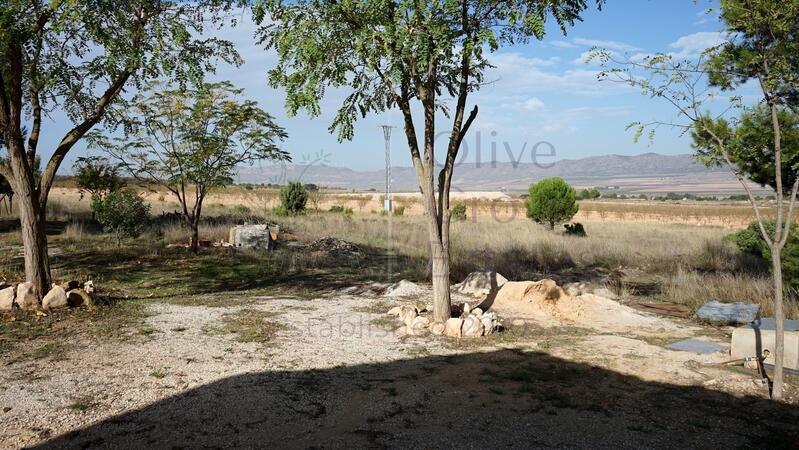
point(331, 378)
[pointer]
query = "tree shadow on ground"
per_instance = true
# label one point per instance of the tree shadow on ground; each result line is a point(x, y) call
point(505, 398)
point(165, 273)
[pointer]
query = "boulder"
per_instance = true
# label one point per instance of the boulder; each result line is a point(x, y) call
point(476, 312)
point(467, 308)
point(452, 327)
point(79, 297)
point(407, 314)
point(89, 287)
point(56, 298)
point(7, 298)
point(490, 323)
point(28, 296)
point(479, 284)
point(437, 328)
point(419, 326)
point(472, 327)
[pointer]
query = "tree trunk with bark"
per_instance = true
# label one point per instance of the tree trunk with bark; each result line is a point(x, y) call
point(34, 240)
point(779, 319)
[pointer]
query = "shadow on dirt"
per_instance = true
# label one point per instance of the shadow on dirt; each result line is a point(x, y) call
point(504, 398)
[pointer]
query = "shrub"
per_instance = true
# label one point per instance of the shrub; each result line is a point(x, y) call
point(96, 175)
point(575, 229)
point(293, 197)
point(551, 200)
point(399, 211)
point(346, 213)
point(750, 241)
point(459, 211)
point(336, 208)
point(122, 213)
point(241, 209)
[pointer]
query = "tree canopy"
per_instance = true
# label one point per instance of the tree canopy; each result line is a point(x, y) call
point(551, 200)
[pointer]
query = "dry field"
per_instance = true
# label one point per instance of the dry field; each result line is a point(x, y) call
point(251, 349)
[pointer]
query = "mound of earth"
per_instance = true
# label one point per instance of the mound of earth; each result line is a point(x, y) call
point(403, 288)
point(546, 301)
point(479, 284)
point(335, 247)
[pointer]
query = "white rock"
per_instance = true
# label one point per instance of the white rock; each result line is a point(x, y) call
point(56, 298)
point(27, 296)
point(477, 312)
point(467, 308)
point(79, 297)
point(7, 298)
point(407, 314)
point(472, 327)
point(452, 327)
point(437, 328)
point(479, 284)
point(419, 326)
point(88, 287)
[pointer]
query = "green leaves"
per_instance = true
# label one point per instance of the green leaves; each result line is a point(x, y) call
point(390, 52)
point(551, 200)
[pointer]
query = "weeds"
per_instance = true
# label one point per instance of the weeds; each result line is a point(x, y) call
point(250, 325)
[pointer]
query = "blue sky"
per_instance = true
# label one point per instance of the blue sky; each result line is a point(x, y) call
point(542, 92)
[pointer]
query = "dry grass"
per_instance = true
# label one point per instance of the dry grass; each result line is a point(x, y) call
point(664, 262)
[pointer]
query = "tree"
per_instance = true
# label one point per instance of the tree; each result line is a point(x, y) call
point(96, 175)
point(77, 57)
point(763, 48)
point(408, 55)
point(316, 197)
point(752, 150)
point(192, 141)
point(293, 197)
point(121, 212)
point(551, 200)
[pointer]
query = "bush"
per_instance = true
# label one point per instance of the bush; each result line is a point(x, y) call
point(750, 241)
point(551, 200)
point(346, 213)
point(459, 211)
point(241, 209)
point(575, 229)
point(97, 176)
point(122, 213)
point(336, 209)
point(399, 211)
point(293, 197)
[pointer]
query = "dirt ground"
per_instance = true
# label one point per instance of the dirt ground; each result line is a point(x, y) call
point(334, 377)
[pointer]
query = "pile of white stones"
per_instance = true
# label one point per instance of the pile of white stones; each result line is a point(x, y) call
point(473, 322)
point(26, 296)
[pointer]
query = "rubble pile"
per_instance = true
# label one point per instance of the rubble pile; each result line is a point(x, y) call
point(27, 297)
point(335, 247)
point(473, 322)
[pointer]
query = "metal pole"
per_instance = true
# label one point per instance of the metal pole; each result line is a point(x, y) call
point(387, 137)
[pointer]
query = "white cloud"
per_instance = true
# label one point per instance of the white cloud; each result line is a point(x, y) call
point(519, 74)
point(694, 44)
point(563, 44)
point(613, 45)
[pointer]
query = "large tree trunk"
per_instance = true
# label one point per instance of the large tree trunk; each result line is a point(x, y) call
point(439, 255)
point(33, 220)
point(779, 317)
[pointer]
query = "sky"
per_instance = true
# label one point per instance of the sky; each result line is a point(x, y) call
point(543, 95)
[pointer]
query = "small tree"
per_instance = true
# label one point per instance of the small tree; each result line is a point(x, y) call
point(551, 200)
point(192, 141)
point(293, 197)
point(316, 197)
point(761, 48)
point(363, 201)
point(419, 57)
point(123, 213)
point(96, 175)
point(459, 211)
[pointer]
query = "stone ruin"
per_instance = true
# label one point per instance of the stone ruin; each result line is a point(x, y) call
point(260, 236)
point(26, 296)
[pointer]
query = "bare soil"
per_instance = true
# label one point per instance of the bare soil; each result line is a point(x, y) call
point(330, 372)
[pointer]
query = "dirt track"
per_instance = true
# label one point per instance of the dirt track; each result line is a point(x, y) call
point(334, 379)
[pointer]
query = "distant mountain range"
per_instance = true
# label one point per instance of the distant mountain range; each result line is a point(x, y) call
point(646, 173)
